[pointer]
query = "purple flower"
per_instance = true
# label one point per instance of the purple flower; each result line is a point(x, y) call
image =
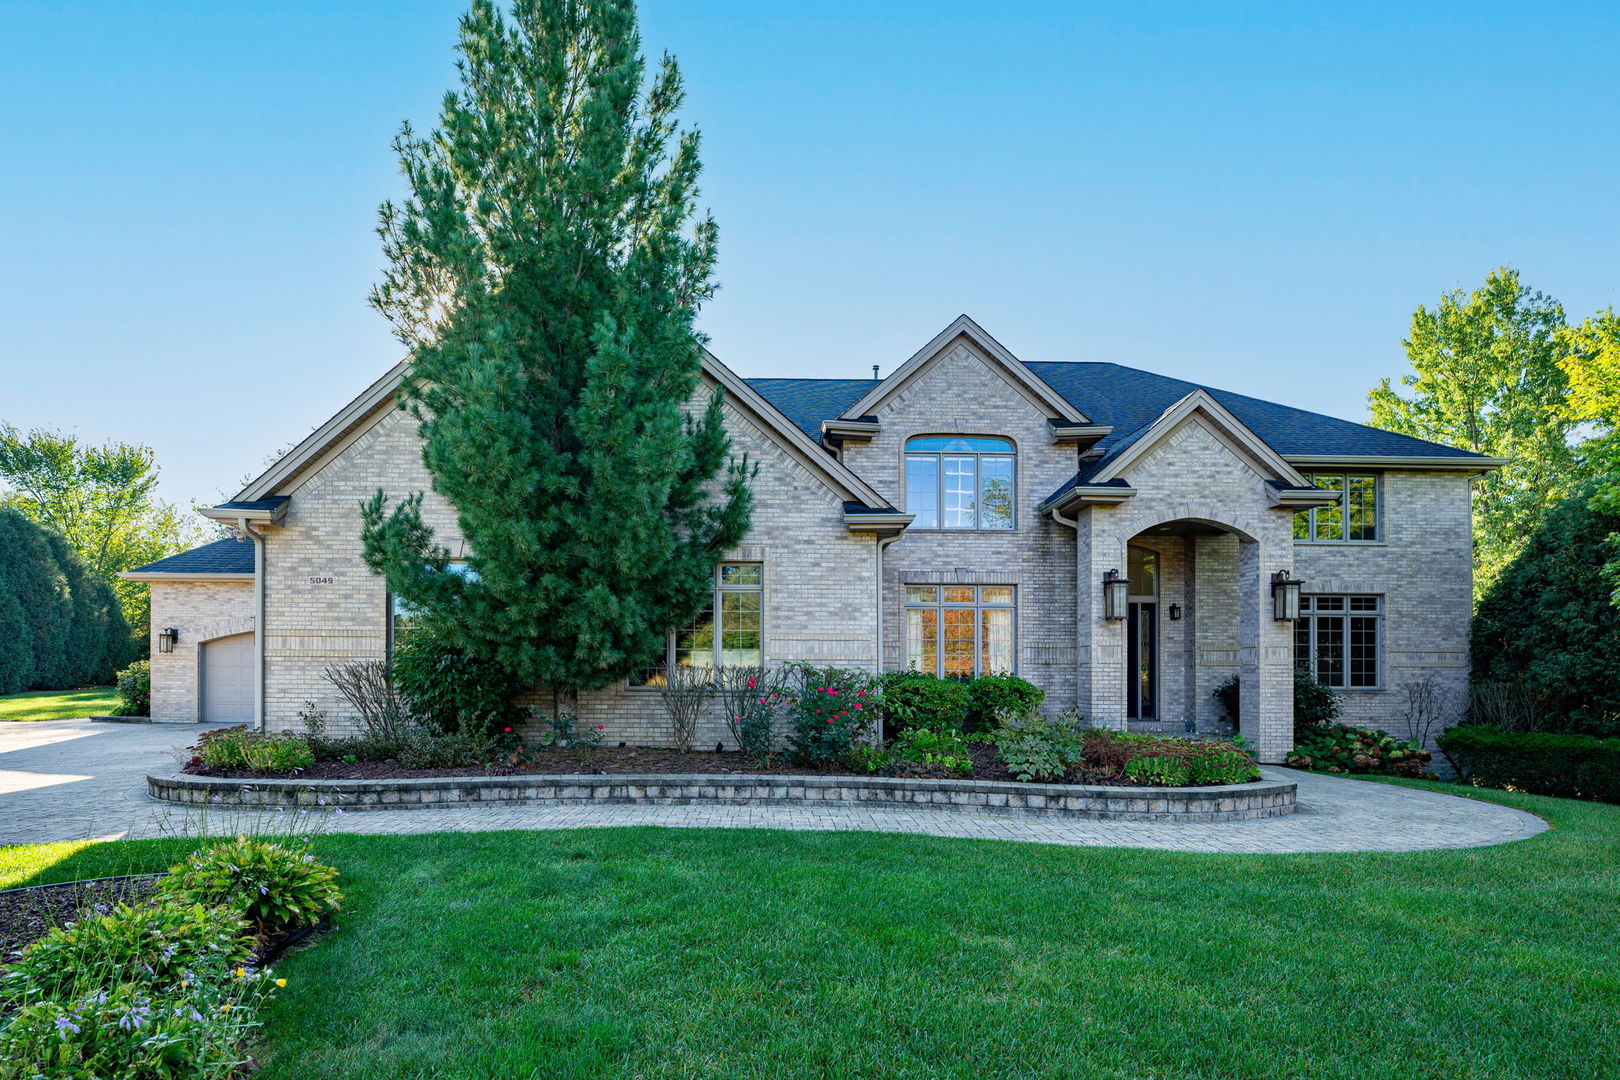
point(64, 1025)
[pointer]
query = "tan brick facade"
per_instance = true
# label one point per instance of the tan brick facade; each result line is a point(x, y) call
point(1201, 501)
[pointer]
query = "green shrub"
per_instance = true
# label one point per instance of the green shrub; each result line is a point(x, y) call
point(946, 749)
point(446, 687)
point(426, 746)
point(1567, 765)
point(1038, 749)
point(135, 689)
point(1341, 748)
point(152, 947)
point(991, 695)
point(276, 887)
point(1547, 623)
point(1315, 704)
point(912, 699)
point(239, 748)
point(829, 710)
point(60, 624)
point(1170, 762)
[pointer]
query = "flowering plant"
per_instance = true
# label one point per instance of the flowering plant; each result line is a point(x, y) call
point(832, 709)
point(750, 694)
point(276, 887)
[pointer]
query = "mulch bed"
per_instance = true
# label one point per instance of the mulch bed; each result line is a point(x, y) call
point(616, 760)
point(26, 915)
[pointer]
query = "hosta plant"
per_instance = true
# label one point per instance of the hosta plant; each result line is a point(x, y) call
point(276, 887)
point(1344, 749)
point(1037, 749)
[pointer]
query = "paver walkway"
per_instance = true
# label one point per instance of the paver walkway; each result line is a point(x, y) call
point(74, 779)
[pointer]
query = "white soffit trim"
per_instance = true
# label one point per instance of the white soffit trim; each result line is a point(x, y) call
point(136, 575)
point(1200, 401)
point(1012, 369)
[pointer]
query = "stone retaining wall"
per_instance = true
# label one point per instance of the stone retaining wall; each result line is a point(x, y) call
point(1246, 802)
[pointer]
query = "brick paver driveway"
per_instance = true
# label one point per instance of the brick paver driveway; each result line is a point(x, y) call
point(73, 779)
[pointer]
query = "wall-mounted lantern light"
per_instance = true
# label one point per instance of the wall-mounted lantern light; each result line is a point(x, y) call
point(1116, 595)
point(166, 639)
point(1175, 612)
point(1285, 596)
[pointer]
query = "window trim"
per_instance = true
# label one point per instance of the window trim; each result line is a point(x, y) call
point(939, 476)
point(1380, 617)
point(1344, 492)
point(940, 606)
point(717, 590)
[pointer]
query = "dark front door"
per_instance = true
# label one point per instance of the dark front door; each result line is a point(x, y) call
point(1142, 662)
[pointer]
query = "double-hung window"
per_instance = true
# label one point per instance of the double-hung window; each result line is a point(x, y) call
point(1339, 638)
point(960, 482)
point(959, 631)
point(1354, 517)
point(729, 631)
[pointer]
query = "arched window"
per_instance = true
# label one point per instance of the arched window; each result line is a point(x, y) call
point(960, 482)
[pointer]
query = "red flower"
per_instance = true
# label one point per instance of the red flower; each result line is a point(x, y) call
point(508, 729)
point(857, 704)
point(829, 719)
point(861, 693)
point(599, 727)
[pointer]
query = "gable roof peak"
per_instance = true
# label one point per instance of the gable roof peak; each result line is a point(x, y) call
point(1014, 370)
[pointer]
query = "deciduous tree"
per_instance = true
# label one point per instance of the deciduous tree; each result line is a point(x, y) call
point(1486, 377)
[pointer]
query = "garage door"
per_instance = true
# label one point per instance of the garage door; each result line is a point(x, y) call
point(227, 680)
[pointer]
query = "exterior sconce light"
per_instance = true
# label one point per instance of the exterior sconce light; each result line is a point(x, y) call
point(1285, 596)
point(1116, 595)
point(1175, 612)
point(166, 639)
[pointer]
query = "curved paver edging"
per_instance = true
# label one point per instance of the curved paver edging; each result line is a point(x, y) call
point(1243, 802)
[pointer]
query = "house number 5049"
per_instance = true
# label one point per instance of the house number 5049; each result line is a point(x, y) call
point(320, 581)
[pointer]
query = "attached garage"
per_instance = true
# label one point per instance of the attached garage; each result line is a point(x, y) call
point(227, 680)
point(203, 667)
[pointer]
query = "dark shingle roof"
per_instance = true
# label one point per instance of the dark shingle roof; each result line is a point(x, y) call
point(1129, 400)
point(228, 556)
point(807, 402)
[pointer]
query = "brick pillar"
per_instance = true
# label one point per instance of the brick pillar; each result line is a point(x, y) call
point(1266, 656)
point(1101, 642)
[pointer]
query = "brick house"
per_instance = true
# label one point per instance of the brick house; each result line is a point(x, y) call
point(1122, 539)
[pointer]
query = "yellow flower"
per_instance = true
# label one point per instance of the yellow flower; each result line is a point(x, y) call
point(241, 973)
point(281, 982)
point(225, 1007)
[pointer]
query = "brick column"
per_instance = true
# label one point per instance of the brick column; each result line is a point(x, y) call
point(1101, 642)
point(1265, 653)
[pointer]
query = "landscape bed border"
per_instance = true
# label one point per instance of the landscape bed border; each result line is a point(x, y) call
point(1234, 802)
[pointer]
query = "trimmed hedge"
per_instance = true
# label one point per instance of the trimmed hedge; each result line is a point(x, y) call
point(1542, 763)
point(60, 626)
point(989, 694)
point(914, 700)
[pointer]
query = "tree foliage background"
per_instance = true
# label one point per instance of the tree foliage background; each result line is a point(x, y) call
point(60, 625)
point(544, 275)
point(1486, 376)
point(102, 501)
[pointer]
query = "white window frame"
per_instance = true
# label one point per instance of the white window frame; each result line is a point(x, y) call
point(938, 458)
point(1311, 616)
point(1343, 506)
point(940, 605)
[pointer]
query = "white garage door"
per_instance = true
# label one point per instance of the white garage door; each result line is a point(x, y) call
point(227, 680)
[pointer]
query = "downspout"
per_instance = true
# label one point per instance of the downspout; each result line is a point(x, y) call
point(1079, 584)
point(258, 621)
point(877, 667)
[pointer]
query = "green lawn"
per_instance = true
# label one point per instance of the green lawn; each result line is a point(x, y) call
point(663, 953)
point(59, 704)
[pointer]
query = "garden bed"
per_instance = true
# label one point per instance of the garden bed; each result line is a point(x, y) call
point(1234, 802)
point(28, 914)
point(638, 760)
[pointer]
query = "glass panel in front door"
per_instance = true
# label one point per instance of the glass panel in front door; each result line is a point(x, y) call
point(1142, 662)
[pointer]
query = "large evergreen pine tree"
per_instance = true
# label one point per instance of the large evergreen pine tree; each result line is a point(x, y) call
point(544, 275)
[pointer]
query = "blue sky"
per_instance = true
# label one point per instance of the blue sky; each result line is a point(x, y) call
point(1250, 196)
